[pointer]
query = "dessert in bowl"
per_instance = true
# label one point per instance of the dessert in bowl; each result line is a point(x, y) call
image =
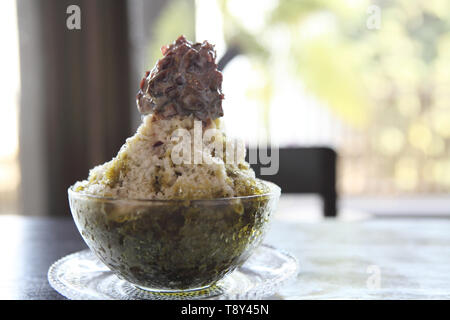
point(179, 207)
point(173, 245)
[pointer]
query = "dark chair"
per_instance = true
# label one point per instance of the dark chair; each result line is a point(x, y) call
point(306, 170)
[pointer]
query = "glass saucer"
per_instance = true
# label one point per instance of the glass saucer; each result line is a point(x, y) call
point(82, 276)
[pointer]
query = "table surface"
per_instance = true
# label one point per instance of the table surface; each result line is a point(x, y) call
point(367, 258)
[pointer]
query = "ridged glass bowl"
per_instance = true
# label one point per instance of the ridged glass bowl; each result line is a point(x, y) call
point(173, 245)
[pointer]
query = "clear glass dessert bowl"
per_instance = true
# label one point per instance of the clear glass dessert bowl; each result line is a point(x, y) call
point(173, 245)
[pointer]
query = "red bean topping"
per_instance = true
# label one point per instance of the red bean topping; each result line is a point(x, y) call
point(184, 81)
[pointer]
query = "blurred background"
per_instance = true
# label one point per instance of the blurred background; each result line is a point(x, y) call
point(368, 79)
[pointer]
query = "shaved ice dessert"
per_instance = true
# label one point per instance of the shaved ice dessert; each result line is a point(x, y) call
point(178, 208)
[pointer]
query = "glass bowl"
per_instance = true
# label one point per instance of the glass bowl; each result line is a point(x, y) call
point(173, 245)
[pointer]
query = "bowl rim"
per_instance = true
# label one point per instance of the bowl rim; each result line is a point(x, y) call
point(275, 191)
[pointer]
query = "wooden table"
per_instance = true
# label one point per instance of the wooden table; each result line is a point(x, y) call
point(29, 246)
point(381, 258)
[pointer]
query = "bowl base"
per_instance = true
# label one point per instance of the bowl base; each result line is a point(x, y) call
point(206, 291)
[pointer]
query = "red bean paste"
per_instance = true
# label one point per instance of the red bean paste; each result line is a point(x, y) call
point(184, 81)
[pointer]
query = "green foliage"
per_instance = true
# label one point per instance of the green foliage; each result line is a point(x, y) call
point(327, 69)
point(343, 62)
point(326, 64)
